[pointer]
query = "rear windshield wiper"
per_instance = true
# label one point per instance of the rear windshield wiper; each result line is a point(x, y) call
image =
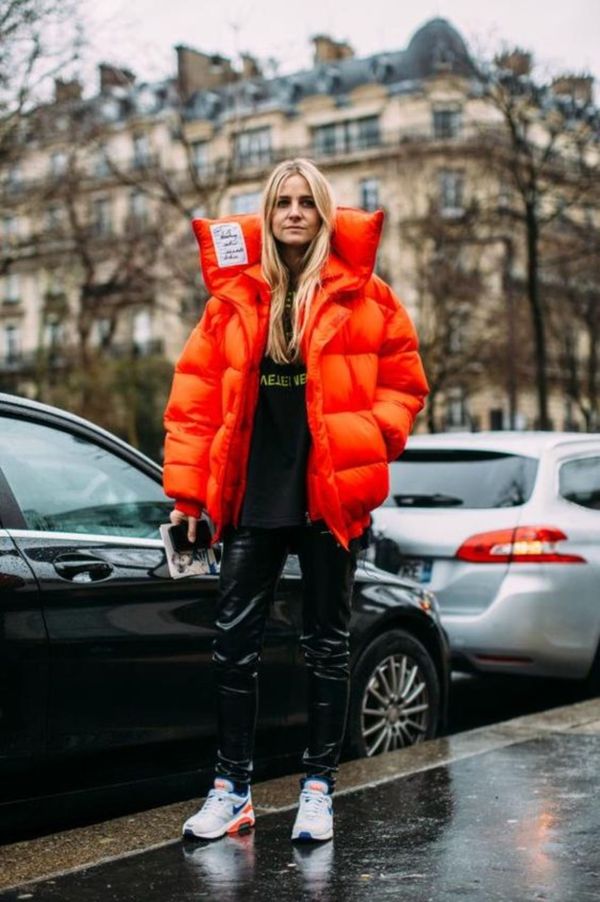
point(437, 500)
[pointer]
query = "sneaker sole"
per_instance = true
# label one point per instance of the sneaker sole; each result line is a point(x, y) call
point(305, 836)
point(244, 822)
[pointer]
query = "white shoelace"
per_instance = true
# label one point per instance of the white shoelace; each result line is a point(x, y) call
point(215, 798)
point(313, 803)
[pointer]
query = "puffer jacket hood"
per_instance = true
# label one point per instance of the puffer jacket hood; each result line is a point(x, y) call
point(365, 382)
point(232, 245)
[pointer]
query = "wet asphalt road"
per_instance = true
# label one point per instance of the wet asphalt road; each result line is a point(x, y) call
point(516, 823)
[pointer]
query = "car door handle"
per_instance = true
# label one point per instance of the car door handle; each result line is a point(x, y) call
point(82, 569)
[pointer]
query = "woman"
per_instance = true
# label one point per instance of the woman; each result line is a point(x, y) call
point(299, 384)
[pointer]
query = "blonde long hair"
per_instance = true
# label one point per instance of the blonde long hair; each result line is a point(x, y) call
point(275, 271)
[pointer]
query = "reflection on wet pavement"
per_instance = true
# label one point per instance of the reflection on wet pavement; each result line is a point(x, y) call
point(516, 823)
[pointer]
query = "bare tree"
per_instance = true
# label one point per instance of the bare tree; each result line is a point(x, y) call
point(104, 270)
point(542, 153)
point(37, 39)
point(574, 272)
point(459, 335)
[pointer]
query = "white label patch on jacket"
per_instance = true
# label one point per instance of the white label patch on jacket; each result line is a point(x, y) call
point(229, 243)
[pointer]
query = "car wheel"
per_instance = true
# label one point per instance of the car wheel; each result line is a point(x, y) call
point(394, 696)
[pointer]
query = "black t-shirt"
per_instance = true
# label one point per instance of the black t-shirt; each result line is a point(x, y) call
point(276, 485)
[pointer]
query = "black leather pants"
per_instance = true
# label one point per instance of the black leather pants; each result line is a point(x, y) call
point(250, 568)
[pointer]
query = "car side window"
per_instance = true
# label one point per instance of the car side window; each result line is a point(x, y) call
point(579, 482)
point(66, 483)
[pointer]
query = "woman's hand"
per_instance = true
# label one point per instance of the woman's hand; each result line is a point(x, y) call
point(176, 517)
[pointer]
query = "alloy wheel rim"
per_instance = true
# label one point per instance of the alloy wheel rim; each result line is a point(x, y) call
point(395, 707)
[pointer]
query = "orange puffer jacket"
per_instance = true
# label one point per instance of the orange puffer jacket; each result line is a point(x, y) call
point(365, 382)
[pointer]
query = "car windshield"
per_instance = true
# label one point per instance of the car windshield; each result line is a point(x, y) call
point(455, 478)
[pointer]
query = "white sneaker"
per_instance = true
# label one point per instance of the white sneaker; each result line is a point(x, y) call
point(224, 811)
point(314, 820)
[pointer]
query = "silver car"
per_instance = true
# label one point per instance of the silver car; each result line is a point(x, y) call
point(504, 528)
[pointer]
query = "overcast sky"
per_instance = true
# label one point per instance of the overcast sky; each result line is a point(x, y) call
point(141, 34)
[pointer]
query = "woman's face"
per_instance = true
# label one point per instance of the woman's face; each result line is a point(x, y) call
point(295, 220)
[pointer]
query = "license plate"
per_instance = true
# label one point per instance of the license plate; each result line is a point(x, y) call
point(417, 569)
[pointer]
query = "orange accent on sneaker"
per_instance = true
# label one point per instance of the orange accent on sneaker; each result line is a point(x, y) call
point(246, 819)
point(316, 787)
point(243, 823)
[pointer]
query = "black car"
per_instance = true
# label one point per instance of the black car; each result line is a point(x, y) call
point(101, 651)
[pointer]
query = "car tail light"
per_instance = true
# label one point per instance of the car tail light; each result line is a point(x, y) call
point(524, 544)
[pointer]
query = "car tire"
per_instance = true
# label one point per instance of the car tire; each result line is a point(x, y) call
point(394, 665)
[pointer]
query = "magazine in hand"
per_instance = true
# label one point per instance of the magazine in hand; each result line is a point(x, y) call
point(183, 557)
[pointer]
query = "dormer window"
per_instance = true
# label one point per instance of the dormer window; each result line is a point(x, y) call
point(329, 80)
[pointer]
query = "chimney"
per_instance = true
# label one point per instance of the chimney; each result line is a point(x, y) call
point(250, 66)
point(516, 61)
point(64, 91)
point(329, 51)
point(578, 87)
point(198, 71)
point(114, 77)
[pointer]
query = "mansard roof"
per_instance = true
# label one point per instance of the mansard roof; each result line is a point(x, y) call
point(435, 48)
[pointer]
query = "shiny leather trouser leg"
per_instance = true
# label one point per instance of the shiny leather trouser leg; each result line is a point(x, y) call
point(251, 566)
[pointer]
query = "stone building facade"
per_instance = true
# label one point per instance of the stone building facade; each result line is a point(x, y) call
point(96, 199)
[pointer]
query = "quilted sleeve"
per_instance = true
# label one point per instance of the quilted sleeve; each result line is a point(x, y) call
point(193, 416)
point(401, 383)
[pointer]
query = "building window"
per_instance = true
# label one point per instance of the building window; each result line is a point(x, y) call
point(10, 229)
point(54, 217)
point(446, 123)
point(12, 343)
point(101, 216)
point(53, 334)
point(504, 196)
point(496, 418)
point(369, 194)
point(101, 167)
point(245, 203)
point(458, 324)
point(456, 409)
point(200, 157)
point(11, 289)
point(142, 331)
point(54, 285)
point(103, 332)
point(253, 148)
point(451, 184)
point(346, 137)
point(138, 207)
point(14, 180)
point(58, 163)
point(141, 151)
